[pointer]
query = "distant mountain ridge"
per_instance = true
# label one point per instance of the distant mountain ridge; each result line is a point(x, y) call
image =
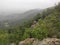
point(19, 17)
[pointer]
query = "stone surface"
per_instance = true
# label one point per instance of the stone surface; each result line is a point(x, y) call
point(33, 41)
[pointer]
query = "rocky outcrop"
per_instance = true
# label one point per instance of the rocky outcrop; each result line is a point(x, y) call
point(50, 41)
point(28, 41)
point(33, 41)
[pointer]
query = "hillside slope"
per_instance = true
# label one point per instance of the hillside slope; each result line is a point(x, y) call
point(46, 26)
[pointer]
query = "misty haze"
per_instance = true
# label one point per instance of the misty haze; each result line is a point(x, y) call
point(29, 22)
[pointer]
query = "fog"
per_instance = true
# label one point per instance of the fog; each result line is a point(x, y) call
point(24, 5)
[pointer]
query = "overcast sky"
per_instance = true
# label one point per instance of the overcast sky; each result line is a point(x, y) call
point(25, 4)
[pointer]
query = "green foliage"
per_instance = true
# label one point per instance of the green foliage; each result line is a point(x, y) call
point(4, 39)
point(27, 34)
point(40, 31)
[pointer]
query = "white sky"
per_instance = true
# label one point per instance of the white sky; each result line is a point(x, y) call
point(25, 4)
